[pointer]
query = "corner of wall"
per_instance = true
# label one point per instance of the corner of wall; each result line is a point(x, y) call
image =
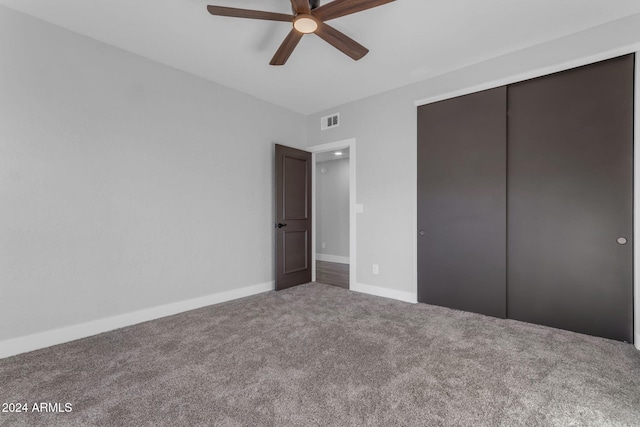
point(409, 297)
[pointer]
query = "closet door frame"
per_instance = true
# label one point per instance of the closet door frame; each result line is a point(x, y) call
point(636, 149)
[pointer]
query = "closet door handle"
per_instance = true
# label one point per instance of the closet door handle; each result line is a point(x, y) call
point(280, 225)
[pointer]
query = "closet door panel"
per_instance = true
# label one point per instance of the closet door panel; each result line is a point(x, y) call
point(570, 197)
point(462, 203)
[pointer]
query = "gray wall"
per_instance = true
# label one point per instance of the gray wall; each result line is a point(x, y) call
point(124, 184)
point(332, 207)
point(385, 129)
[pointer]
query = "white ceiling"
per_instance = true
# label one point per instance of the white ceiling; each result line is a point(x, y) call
point(328, 156)
point(409, 40)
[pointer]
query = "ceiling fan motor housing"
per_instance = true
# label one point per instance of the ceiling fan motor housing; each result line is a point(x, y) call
point(312, 5)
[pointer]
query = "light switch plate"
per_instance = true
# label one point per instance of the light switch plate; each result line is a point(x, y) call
point(359, 208)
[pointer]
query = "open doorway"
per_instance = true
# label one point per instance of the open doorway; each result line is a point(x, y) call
point(332, 217)
point(333, 234)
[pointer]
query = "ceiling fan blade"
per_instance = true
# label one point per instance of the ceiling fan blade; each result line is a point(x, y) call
point(246, 13)
point(286, 48)
point(341, 41)
point(301, 6)
point(338, 8)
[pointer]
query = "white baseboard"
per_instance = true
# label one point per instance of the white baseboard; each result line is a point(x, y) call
point(637, 340)
point(384, 292)
point(40, 340)
point(332, 258)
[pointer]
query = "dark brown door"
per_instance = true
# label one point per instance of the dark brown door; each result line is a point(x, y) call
point(461, 203)
point(293, 217)
point(570, 199)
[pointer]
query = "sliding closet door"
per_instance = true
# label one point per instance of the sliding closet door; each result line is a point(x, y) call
point(569, 196)
point(461, 202)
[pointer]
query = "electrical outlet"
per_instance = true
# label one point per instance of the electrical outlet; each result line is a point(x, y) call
point(324, 245)
point(376, 270)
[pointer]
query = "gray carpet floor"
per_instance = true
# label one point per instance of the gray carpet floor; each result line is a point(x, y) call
point(318, 355)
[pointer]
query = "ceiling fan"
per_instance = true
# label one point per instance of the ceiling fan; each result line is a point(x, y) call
point(309, 17)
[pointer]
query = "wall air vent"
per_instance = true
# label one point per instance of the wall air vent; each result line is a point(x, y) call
point(330, 121)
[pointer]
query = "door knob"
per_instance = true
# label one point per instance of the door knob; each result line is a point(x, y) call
point(621, 241)
point(421, 232)
point(280, 225)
